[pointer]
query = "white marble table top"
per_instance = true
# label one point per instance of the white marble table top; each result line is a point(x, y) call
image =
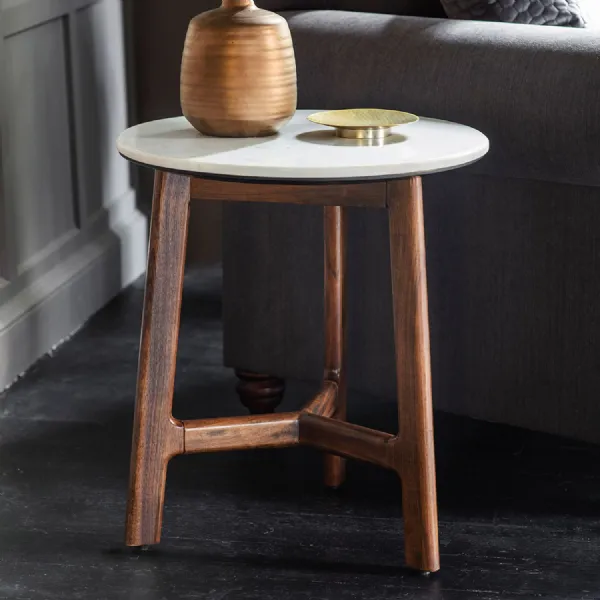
point(304, 151)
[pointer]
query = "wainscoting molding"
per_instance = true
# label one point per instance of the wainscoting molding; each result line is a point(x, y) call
point(71, 236)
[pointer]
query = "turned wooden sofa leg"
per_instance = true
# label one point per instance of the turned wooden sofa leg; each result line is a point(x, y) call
point(415, 460)
point(260, 394)
point(157, 436)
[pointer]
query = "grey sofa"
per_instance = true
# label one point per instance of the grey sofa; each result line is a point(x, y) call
point(513, 242)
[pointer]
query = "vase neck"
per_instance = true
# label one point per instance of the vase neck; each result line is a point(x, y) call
point(237, 3)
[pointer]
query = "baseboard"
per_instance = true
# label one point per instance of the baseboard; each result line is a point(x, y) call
point(58, 303)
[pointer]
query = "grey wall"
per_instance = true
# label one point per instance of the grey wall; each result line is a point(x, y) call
point(70, 233)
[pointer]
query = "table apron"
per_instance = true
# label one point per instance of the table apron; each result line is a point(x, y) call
point(365, 194)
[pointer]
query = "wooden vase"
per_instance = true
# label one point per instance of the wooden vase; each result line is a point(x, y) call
point(238, 74)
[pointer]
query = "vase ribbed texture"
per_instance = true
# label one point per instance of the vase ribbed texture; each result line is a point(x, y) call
point(238, 74)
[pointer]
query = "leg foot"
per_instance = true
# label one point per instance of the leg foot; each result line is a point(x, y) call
point(156, 435)
point(415, 461)
point(260, 394)
point(335, 471)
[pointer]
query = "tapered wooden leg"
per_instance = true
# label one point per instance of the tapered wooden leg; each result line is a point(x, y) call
point(335, 368)
point(415, 459)
point(260, 394)
point(157, 436)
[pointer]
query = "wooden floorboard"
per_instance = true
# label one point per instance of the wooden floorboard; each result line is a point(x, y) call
point(519, 511)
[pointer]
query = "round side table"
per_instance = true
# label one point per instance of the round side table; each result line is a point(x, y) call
point(304, 164)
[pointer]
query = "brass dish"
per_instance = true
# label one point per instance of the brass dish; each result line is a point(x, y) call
point(363, 123)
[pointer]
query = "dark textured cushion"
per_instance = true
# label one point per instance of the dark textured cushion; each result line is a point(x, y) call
point(534, 12)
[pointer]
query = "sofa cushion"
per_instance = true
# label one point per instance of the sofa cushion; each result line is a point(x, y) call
point(529, 12)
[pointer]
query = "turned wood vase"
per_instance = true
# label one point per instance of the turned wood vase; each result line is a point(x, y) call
point(238, 74)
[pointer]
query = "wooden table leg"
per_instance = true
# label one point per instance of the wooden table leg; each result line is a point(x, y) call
point(157, 436)
point(335, 367)
point(415, 460)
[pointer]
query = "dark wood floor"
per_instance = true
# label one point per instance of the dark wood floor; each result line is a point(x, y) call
point(520, 512)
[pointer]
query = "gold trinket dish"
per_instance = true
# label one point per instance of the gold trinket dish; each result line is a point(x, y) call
point(363, 123)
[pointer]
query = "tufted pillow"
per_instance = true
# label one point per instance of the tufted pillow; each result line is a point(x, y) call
point(535, 12)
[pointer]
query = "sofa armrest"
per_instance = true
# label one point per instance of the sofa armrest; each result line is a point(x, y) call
point(535, 91)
